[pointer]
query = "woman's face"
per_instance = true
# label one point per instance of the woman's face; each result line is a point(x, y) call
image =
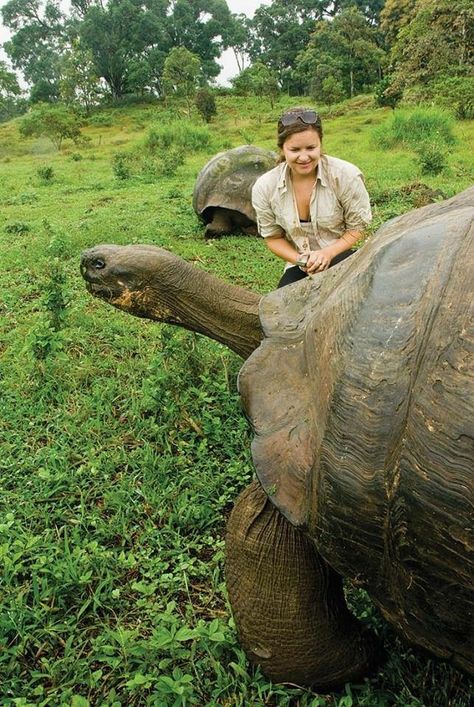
point(302, 152)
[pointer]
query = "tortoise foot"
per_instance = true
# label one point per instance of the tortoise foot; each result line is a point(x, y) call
point(288, 604)
point(220, 225)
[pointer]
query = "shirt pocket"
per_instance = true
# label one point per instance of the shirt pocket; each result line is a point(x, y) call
point(332, 219)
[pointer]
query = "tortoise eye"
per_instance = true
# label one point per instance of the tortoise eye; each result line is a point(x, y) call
point(99, 264)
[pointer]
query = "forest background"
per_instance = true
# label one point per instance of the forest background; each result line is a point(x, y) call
point(123, 442)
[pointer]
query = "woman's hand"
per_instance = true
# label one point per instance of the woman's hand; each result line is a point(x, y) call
point(318, 260)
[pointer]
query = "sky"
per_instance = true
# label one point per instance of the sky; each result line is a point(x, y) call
point(227, 60)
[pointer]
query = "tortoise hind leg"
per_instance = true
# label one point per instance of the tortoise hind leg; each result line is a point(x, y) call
point(288, 604)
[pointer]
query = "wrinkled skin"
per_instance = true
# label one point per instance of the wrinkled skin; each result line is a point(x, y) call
point(150, 282)
point(364, 456)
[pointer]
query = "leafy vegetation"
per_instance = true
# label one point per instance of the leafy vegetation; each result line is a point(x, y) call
point(123, 441)
point(56, 122)
point(123, 50)
point(412, 127)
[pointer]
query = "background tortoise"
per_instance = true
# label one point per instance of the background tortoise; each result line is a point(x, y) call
point(222, 193)
point(361, 403)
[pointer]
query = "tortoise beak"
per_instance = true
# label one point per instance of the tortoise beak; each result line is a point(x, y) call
point(93, 269)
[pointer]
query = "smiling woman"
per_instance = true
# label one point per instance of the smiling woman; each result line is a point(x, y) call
point(312, 208)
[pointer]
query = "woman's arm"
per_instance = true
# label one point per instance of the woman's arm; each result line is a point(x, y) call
point(282, 248)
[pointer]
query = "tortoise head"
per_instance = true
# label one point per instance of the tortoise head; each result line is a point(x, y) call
point(126, 276)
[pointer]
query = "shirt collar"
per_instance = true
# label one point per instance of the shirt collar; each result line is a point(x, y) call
point(322, 171)
point(283, 176)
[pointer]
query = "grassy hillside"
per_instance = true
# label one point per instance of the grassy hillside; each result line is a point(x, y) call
point(123, 443)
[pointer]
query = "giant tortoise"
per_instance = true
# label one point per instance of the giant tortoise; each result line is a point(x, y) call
point(358, 388)
point(223, 190)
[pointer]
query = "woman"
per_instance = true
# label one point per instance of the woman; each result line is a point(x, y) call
point(312, 208)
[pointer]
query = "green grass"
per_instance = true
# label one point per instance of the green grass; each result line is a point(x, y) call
point(123, 442)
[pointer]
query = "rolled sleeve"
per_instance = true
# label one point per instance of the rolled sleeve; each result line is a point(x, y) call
point(265, 216)
point(356, 204)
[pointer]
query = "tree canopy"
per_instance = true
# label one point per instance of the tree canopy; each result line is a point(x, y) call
point(327, 48)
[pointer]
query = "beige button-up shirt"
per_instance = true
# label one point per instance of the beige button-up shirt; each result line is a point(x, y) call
point(339, 203)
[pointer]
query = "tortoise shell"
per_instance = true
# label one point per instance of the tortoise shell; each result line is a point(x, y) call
point(226, 181)
point(361, 401)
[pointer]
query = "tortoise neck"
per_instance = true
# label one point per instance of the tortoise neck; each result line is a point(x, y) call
point(179, 293)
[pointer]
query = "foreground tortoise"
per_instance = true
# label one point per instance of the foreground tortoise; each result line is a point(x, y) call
point(222, 193)
point(358, 390)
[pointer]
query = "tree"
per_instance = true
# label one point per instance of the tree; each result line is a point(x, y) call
point(56, 122)
point(395, 15)
point(79, 81)
point(181, 74)
point(128, 40)
point(37, 44)
point(9, 86)
point(369, 8)
point(236, 36)
point(11, 103)
point(257, 80)
point(439, 41)
point(119, 34)
point(279, 32)
point(348, 47)
point(199, 26)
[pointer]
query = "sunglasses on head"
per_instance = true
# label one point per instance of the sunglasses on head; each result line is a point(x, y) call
point(309, 117)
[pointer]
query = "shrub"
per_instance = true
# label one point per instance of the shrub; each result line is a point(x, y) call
point(101, 120)
point(171, 160)
point(183, 134)
point(456, 93)
point(56, 122)
point(387, 94)
point(431, 157)
point(121, 165)
point(206, 104)
point(26, 197)
point(332, 91)
point(45, 173)
point(17, 227)
point(410, 128)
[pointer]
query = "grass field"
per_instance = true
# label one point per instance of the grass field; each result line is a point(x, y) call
point(122, 441)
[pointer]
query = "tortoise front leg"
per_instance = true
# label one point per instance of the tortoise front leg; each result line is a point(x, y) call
point(220, 225)
point(288, 604)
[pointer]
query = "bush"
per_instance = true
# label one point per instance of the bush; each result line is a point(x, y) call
point(45, 173)
point(386, 94)
point(410, 128)
point(183, 134)
point(146, 166)
point(101, 120)
point(431, 157)
point(332, 91)
point(57, 122)
point(456, 93)
point(171, 160)
point(206, 104)
point(17, 227)
point(121, 165)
